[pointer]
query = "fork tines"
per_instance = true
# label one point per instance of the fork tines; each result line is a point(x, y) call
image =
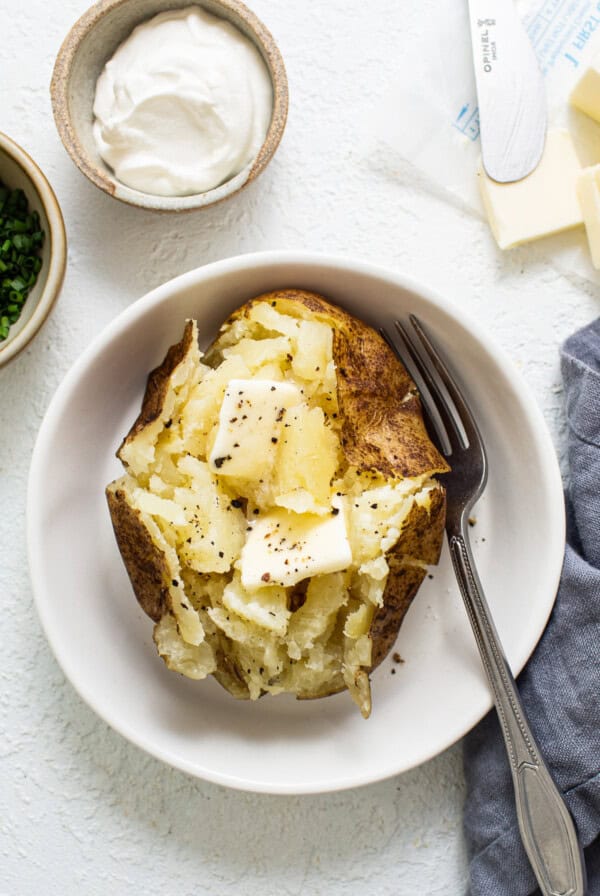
point(443, 402)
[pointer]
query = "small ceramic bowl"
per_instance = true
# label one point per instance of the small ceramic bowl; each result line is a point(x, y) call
point(18, 170)
point(93, 40)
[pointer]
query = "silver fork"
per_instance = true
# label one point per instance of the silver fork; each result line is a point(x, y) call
point(547, 829)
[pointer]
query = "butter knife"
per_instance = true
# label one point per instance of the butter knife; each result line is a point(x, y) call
point(510, 91)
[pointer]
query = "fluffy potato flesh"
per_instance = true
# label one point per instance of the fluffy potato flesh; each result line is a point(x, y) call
point(209, 500)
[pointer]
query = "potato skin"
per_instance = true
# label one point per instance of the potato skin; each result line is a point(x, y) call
point(229, 677)
point(421, 539)
point(382, 430)
point(146, 564)
point(157, 385)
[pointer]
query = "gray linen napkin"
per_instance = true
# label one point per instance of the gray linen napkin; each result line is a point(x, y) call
point(560, 686)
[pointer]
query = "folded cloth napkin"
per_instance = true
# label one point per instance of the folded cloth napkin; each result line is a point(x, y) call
point(560, 686)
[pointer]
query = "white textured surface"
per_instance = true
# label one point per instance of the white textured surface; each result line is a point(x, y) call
point(82, 811)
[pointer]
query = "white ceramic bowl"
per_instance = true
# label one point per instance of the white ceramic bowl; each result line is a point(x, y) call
point(19, 171)
point(103, 641)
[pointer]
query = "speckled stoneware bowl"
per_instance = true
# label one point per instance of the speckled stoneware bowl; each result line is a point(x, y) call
point(90, 44)
point(19, 171)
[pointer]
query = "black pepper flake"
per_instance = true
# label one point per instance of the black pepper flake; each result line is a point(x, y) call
point(219, 461)
point(273, 388)
point(189, 540)
point(244, 416)
point(174, 583)
point(168, 424)
point(236, 444)
point(266, 577)
point(273, 304)
point(274, 439)
point(373, 506)
point(335, 511)
point(280, 414)
point(221, 554)
point(256, 511)
point(233, 420)
point(236, 502)
point(393, 671)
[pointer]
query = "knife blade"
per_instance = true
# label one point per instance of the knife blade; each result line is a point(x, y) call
point(510, 91)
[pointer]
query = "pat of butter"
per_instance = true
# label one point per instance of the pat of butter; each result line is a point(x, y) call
point(585, 96)
point(283, 547)
point(250, 422)
point(543, 203)
point(588, 190)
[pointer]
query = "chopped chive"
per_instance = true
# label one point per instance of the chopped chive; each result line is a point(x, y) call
point(21, 238)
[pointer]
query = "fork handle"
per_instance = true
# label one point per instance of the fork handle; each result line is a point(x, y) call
point(547, 829)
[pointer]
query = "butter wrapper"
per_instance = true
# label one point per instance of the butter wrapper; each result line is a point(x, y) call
point(432, 122)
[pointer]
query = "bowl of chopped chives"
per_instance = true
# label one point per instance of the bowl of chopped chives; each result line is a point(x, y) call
point(33, 249)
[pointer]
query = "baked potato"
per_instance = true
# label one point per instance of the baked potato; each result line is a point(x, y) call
point(279, 507)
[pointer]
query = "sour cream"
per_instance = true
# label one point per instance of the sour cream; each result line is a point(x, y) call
point(183, 105)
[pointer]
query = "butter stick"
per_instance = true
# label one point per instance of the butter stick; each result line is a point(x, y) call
point(588, 190)
point(585, 96)
point(541, 204)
